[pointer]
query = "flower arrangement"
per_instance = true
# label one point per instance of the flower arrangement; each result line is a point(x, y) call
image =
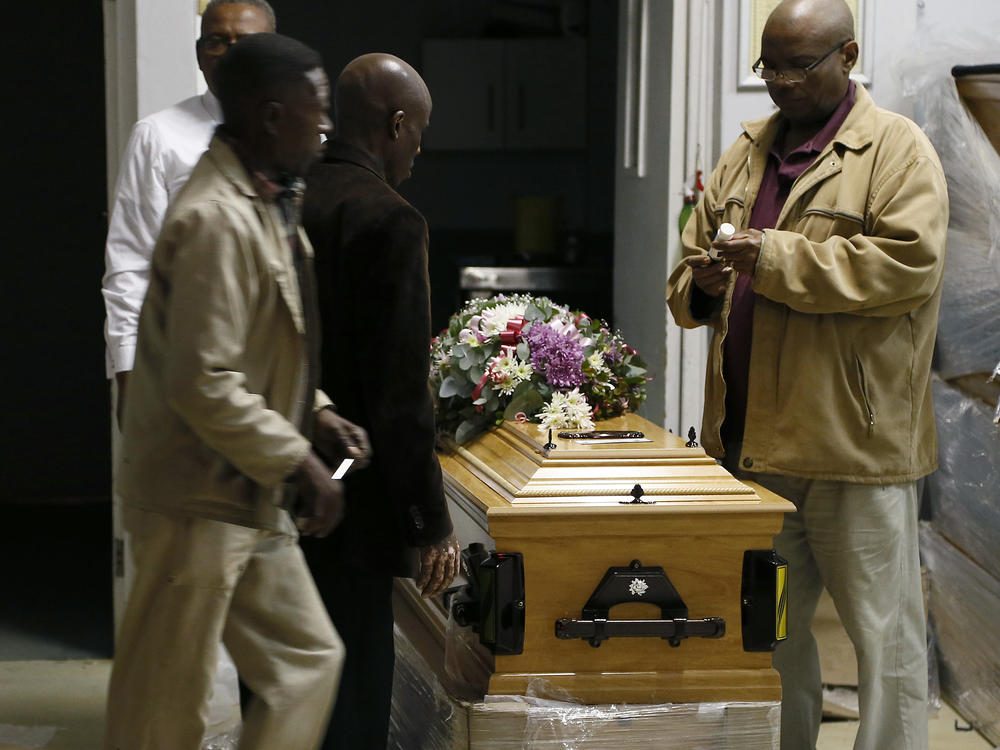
point(528, 358)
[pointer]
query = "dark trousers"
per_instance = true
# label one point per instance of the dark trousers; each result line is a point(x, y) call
point(360, 605)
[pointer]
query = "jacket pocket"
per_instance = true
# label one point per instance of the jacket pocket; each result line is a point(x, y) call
point(869, 409)
point(828, 222)
point(731, 210)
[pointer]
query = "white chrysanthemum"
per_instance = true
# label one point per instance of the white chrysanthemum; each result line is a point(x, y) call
point(523, 371)
point(494, 319)
point(507, 387)
point(513, 370)
point(566, 411)
point(596, 362)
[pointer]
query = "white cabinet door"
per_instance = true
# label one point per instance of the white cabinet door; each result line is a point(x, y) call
point(546, 97)
point(465, 78)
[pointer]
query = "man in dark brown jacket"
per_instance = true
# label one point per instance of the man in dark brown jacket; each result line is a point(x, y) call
point(371, 258)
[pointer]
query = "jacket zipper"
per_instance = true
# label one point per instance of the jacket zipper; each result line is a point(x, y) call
point(746, 195)
point(744, 221)
point(864, 396)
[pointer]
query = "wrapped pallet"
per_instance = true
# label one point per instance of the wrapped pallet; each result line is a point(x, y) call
point(965, 606)
point(963, 491)
point(426, 716)
point(968, 341)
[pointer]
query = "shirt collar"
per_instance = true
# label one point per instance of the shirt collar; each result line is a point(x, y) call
point(284, 191)
point(819, 141)
point(212, 106)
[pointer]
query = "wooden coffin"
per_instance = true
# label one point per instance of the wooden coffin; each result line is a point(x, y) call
point(567, 511)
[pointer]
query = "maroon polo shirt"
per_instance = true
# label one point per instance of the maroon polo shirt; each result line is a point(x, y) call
point(779, 176)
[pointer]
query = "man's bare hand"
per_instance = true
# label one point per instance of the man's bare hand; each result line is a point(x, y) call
point(711, 277)
point(337, 439)
point(741, 252)
point(321, 499)
point(439, 564)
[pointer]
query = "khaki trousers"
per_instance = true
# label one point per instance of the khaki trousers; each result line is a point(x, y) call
point(860, 542)
point(198, 582)
point(224, 718)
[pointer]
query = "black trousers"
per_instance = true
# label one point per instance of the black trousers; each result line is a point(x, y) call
point(360, 605)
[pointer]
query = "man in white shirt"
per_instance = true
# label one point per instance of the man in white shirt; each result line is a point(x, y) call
point(158, 159)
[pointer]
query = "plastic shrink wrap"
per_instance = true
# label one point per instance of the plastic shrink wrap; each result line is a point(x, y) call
point(426, 716)
point(958, 546)
point(963, 493)
point(968, 336)
point(965, 607)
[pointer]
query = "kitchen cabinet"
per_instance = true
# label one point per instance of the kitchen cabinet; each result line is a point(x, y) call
point(506, 94)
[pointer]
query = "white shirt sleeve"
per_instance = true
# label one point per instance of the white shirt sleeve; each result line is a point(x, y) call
point(141, 199)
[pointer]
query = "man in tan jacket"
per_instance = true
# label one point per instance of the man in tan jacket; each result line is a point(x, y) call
point(219, 421)
point(824, 309)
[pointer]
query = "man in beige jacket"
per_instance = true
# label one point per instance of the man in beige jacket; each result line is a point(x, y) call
point(824, 309)
point(219, 422)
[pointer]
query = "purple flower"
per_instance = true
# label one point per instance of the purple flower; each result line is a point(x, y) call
point(558, 356)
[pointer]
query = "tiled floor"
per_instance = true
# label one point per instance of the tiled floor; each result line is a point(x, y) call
point(56, 705)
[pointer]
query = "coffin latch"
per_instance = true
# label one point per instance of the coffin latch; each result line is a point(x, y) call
point(637, 583)
point(492, 602)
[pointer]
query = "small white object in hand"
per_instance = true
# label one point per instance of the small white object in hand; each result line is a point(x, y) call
point(724, 234)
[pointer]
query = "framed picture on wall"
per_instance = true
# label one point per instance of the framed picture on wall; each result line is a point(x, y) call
point(753, 15)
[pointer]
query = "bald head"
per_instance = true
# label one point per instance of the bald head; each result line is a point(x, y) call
point(374, 85)
point(382, 105)
point(816, 36)
point(824, 21)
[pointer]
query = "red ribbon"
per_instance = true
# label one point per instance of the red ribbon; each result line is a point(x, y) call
point(482, 382)
point(513, 333)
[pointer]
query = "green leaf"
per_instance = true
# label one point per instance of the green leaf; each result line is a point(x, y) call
point(468, 430)
point(525, 399)
point(532, 312)
point(452, 386)
point(492, 402)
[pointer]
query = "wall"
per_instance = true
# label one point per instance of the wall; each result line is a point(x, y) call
point(893, 25)
point(55, 425)
point(645, 127)
point(150, 64)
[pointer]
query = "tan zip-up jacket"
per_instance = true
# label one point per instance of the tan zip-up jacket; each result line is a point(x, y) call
point(848, 288)
point(220, 374)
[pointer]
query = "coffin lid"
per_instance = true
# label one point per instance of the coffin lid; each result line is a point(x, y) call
point(511, 460)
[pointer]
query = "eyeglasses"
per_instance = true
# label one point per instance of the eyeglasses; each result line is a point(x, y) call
point(216, 44)
point(791, 75)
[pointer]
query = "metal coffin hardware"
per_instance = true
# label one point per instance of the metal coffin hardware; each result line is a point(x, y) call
point(492, 603)
point(632, 583)
point(764, 599)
